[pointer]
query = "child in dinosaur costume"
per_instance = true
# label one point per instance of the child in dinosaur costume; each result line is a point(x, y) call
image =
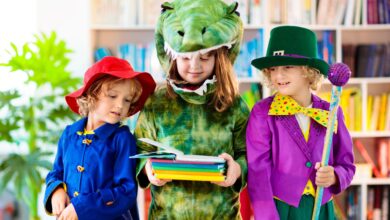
point(199, 110)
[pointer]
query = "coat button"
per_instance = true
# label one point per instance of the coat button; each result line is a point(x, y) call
point(109, 203)
point(75, 194)
point(308, 164)
point(80, 168)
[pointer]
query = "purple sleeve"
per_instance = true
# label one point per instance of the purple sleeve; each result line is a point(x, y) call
point(258, 139)
point(343, 156)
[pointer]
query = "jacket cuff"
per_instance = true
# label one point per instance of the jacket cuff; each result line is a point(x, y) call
point(107, 196)
point(51, 187)
point(338, 186)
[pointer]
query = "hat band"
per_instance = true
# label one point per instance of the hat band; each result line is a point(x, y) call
point(291, 55)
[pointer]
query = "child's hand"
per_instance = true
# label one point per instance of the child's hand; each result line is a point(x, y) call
point(152, 179)
point(59, 201)
point(325, 176)
point(69, 213)
point(233, 171)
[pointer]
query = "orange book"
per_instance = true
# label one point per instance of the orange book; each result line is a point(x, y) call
point(359, 145)
point(382, 155)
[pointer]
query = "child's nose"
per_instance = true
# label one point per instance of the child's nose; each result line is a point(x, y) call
point(278, 72)
point(195, 63)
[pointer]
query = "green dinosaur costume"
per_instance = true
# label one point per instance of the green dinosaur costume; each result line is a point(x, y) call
point(188, 122)
point(189, 26)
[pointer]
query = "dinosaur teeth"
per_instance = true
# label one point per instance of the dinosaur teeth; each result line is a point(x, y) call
point(174, 54)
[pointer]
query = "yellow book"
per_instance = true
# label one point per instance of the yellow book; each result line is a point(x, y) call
point(370, 100)
point(358, 110)
point(387, 118)
point(375, 113)
point(344, 104)
point(178, 172)
point(190, 177)
point(382, 113)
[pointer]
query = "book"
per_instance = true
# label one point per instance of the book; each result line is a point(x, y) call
point(187, 170)
point(359, 145)
point(190, 177)
point(173, 153)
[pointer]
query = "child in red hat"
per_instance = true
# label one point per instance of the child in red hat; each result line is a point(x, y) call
point(92, 177)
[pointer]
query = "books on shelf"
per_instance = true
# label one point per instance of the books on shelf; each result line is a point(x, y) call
point(378, 112)
point(363, 151)
point(378, 202)
point(144, 57)
point(253, 12)
point(379, 162)
point(351, 104)
point(367, 60)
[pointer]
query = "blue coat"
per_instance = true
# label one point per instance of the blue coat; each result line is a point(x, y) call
point(280, 161)
point(98, 177)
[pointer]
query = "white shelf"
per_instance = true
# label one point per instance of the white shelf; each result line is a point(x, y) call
point(371, 181)
point(370, 134)
point(373, 80)
point(103, 27)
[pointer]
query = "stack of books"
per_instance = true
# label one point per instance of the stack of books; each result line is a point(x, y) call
point(171, 163)
point(188, 170)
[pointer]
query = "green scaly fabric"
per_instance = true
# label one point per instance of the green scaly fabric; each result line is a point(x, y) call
point(187, 122)
point(190, 26)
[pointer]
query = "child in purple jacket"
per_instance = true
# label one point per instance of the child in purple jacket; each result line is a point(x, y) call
point(285, 133)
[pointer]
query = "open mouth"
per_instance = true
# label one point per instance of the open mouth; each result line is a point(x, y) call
point(116, 113)
point(284, 84)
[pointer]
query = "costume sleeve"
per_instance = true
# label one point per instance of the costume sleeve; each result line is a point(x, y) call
point(112, 202)
point(239, 144)
point(343, 155)
point(54, 178)
point(258, 140)
point(145, 128)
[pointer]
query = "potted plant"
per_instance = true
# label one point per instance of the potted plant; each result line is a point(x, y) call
point(34, 119)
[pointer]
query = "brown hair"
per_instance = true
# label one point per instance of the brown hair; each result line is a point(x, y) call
point(88, 100)
point(226, 85)
point(313, 75)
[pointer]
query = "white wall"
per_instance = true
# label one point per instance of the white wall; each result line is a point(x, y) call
point(20, 19)
point(71, 20)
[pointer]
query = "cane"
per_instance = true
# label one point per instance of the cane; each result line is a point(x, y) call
point(338, 75)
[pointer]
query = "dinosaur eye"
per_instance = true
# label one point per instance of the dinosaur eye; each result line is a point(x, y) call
point(165, 7)
point(181, 33)
point(203, 30)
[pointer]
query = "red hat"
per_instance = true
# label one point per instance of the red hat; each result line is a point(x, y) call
point(115, 67)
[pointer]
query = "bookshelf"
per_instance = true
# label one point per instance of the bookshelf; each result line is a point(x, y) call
point(354, 22)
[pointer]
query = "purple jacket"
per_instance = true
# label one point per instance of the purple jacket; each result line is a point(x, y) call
point(280, 161)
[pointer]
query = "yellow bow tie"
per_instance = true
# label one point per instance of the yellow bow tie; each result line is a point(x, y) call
point(285, 105)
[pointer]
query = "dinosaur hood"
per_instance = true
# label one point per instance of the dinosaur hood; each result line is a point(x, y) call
point(187, 27)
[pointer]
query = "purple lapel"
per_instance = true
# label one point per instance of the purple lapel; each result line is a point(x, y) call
point(315, 128)
point(293, 129)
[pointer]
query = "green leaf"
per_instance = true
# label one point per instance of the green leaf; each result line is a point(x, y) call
point(44, 62)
